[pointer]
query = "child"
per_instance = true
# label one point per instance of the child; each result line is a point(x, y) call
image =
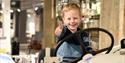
point(71, 49)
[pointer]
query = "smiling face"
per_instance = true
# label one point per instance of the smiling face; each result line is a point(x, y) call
point(71, 16)
point(72, 19)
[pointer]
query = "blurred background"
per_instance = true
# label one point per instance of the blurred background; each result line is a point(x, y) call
point(27, 26)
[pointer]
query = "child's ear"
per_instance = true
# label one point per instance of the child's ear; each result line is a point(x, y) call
point(81, 18)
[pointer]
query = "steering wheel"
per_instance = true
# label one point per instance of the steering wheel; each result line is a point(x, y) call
point(108, 49)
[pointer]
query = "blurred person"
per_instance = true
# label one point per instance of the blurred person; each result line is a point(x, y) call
point(34, 46)
point(15, 46)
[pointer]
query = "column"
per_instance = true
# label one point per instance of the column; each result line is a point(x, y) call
point(20, 32)
point(48, 24)
point(6, 25)
point(111, 19)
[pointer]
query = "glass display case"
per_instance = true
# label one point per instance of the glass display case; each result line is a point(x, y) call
point(91, 18)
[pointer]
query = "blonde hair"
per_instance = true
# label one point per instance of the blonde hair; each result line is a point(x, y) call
point(70, 6)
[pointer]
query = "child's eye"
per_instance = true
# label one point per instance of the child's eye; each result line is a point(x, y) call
point(75, 18)
point(69, 18)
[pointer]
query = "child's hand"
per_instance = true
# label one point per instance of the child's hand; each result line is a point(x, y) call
point(59, 29)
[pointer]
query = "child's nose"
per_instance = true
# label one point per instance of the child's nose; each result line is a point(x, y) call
point(72, 20)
